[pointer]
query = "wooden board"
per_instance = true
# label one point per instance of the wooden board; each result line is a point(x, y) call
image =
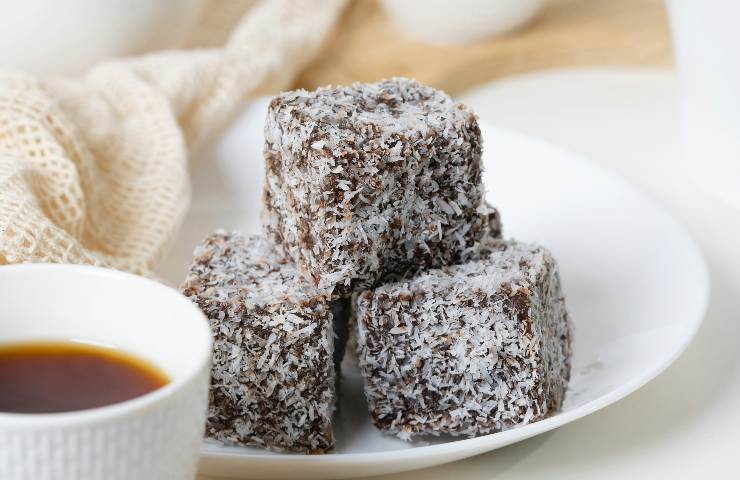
point(368, 46)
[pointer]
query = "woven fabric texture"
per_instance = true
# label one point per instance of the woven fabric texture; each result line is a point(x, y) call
point(94, 169)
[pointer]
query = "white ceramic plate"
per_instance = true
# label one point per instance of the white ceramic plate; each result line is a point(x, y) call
point(636, 286)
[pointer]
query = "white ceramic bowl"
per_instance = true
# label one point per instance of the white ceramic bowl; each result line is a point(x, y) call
point(706, 44)
point(49, 36)
point(457, 22)
point(156, 436)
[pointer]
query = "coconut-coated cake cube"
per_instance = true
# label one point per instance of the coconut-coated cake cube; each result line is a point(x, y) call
point(273, 375)
point(365, 180)
point(468, 349)
point(495, 231)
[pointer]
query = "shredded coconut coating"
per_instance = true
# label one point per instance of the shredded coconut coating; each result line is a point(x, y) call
point(371, 179)
point(273, 376)
point(469, 349)
point(495, 232)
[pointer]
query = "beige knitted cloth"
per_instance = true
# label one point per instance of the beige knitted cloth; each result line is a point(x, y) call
point(94, 169)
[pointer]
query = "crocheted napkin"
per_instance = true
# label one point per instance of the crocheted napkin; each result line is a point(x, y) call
point(94, 170)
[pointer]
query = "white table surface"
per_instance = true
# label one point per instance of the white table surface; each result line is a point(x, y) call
point(686, 423)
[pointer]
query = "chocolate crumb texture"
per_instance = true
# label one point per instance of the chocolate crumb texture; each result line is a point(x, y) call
point(341, 310)
point(273, 375)
point(366, 180)
point(493, 223)
point(467, 349)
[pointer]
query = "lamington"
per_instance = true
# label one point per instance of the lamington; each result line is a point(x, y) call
point(467, 349)
point(273, 374)
point(349, 346)
point(366, 180)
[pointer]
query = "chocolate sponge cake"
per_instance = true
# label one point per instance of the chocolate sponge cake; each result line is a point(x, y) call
point(468, 349)
point(366, 180)
point(273, 373)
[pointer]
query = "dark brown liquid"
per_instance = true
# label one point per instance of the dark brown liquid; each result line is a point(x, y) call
point(63, 376)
